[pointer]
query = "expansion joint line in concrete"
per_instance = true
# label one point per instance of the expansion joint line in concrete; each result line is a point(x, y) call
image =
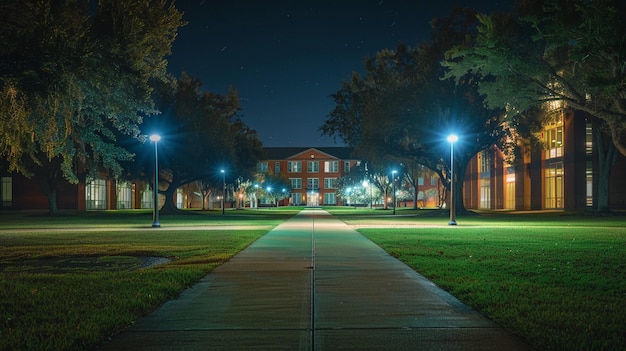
point(313, 283)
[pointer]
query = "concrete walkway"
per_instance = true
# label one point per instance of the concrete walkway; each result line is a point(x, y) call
point(313, 283)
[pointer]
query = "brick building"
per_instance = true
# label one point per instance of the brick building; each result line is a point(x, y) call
point(563, 174)
point(311, 172)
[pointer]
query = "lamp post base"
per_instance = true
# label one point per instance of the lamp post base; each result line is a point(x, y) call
point(452, 222)
point(156, 225)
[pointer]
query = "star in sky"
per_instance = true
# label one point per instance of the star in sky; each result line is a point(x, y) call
point(285, 58)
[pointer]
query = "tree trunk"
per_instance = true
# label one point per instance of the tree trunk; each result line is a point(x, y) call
point(48, 182)
point(169, 205)
point(607, 156)
point(459, 177)
point(206, 195)
point(52, 201)
point(618, 136)
point(385, 204)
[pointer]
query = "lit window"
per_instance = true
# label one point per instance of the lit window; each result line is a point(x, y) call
point(313, 183)
point(553, 139)
point(7, 191)
point(294, 166)
point(124, 195)
point(331, 166)
point(313, 166)
point(262, 167)
point(329, 183)
point(330, 199)
point(95, 194)
point(296, 183)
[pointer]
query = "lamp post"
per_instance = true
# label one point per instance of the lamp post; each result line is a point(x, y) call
point(452, 138)
point(393, 187)
point(269, 194)
point(155, 205)
point(284, 196)
point(223, 188)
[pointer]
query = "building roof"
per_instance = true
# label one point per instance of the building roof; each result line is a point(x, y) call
point(283, 153)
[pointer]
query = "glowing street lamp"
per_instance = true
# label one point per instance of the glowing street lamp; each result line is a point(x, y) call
point(452, 138)
point(269, 193)
point(155, 206)
point(283, 197)
point(223, 188)
point(393, 186)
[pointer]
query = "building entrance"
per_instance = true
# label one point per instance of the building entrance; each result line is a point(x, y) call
point(312, 199)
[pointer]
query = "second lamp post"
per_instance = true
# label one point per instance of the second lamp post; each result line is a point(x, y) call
point(393, 187)
point(223, 188)
point(452, 138)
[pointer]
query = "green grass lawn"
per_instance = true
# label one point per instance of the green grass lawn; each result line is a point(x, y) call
point(68, 282)
point(558, 280)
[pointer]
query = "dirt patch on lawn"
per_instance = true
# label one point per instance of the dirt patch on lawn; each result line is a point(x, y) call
point(68, 264)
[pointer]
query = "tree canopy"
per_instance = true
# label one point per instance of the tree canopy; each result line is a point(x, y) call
point(74, 74)
point(549, 56)
point(402, 107)
point(202, 134)
point(572, 52)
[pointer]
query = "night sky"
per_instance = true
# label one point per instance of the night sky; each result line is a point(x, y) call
point(285, 58)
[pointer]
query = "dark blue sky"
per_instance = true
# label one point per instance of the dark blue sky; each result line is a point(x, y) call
point(285, 58)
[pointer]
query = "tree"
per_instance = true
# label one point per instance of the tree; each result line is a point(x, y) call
point(273, 187)
point(71, 78)
point(348, 184)
point(555, 54)
point(379, 175)
point(402, 107)
point(412, 171)
point(204, 135)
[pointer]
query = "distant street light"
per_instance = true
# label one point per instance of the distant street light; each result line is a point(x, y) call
point(452, 138)
point(223, 188)
point(284, 196)
point(393, 186)
point(155, 206)
point(269, 193)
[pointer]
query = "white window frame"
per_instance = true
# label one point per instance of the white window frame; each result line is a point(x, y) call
point(313, 166)
point(313, 184)
point(330, 183)
point(124, 195)
point(294, 166)
point(296, 183)
point(96, 194)
point(331, 166)
point(330, 199)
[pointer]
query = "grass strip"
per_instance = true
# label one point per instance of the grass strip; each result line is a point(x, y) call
point(558, 281)
point(71, 289)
